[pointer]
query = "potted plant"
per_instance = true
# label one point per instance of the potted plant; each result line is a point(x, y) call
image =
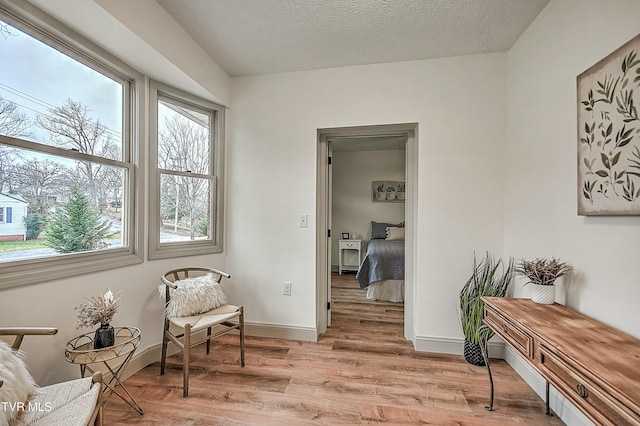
point(99, 310)
point(391, 193)
point(490, 277)
point(380, 194)
point(401, 189)
point(542, 274)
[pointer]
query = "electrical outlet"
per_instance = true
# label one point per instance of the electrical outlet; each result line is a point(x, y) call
point(303, 221)
point(286, 289)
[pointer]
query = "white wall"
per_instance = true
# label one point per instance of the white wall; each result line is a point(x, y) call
point(460, 105)
point(541, 218)
point(353, 208)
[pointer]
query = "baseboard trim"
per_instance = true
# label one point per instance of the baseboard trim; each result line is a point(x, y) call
point(278, 331)
point(565, 410)
point(453, 346)
point(145, 358)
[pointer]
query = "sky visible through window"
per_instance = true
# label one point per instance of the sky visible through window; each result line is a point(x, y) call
point(38, 78)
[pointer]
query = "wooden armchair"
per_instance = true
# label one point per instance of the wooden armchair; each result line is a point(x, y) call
point(180, 329)
point(75, 402)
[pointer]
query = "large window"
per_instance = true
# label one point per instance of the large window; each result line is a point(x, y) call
point(186, 187)
point(67, 149)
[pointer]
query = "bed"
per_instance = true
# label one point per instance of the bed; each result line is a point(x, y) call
point(382, 270)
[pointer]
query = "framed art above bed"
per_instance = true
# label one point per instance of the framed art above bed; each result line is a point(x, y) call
point(388, 191)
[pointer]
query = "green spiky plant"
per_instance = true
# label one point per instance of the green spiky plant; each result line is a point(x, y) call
point(490, 277)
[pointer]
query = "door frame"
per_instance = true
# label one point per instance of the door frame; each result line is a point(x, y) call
point(323, 215)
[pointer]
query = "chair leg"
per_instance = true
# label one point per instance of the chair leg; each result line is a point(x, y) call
point(100, 417)
point(185, 360)
point(165, 342)
point(241, 320)
point(208, 341)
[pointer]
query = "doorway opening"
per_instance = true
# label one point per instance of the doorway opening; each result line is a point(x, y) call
point(351, 161)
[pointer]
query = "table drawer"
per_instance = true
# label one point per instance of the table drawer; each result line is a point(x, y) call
point(509, 332)
point(596, 403)
point(349, 245)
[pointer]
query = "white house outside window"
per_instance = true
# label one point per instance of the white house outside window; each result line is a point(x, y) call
point(67, 145)
point(186, 191)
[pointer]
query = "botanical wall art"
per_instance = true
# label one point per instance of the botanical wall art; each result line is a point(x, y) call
point(388, 191)
point(609, 134)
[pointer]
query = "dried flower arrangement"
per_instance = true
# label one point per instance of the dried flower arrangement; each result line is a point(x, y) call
point(542, 271)
point(100, 309)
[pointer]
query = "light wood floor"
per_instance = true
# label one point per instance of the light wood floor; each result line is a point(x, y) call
point(362, 371)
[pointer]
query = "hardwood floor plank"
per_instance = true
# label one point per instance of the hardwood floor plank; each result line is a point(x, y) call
point(362, 371)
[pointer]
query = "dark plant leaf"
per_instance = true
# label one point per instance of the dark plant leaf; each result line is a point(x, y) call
point(605, 160)
point(624, 142)
point(602, 173)
point(615, 159)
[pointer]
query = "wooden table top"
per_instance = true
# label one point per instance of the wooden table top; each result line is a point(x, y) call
point(610, 357)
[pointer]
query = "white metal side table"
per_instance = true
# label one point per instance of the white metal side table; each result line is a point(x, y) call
point(80, 351)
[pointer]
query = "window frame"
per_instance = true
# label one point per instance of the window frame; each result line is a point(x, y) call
point(31, 20)
point(158, 250)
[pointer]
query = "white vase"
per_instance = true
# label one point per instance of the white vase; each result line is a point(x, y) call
point(543, 294)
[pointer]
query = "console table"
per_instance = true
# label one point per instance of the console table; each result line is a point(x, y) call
point(594, 366)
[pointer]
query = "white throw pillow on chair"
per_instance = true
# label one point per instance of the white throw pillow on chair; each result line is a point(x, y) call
point(193, 296)
point(18, 385)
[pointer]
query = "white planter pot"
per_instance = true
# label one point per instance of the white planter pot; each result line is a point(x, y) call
point(543, 294)
point(391, 195)
point(381, 196)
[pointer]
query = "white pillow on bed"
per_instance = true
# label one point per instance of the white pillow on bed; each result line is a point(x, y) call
point(394, 234)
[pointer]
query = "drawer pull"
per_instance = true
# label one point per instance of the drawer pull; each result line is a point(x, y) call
point(504, 327)
point(582, 390)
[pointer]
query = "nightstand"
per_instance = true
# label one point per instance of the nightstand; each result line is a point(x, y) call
point(350, 255)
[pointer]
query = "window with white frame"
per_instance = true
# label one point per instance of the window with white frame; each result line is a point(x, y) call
point(67, 144)
point(186, 169)
point(1, 214)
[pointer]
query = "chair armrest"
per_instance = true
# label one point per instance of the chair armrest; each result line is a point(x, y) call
point(224, 274)
point(97, 416)
point(20, 332)
point(168, 283)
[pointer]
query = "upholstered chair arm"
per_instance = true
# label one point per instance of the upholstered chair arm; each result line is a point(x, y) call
point(20, 332)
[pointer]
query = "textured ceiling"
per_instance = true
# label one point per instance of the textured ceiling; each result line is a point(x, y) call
point(248, 37)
